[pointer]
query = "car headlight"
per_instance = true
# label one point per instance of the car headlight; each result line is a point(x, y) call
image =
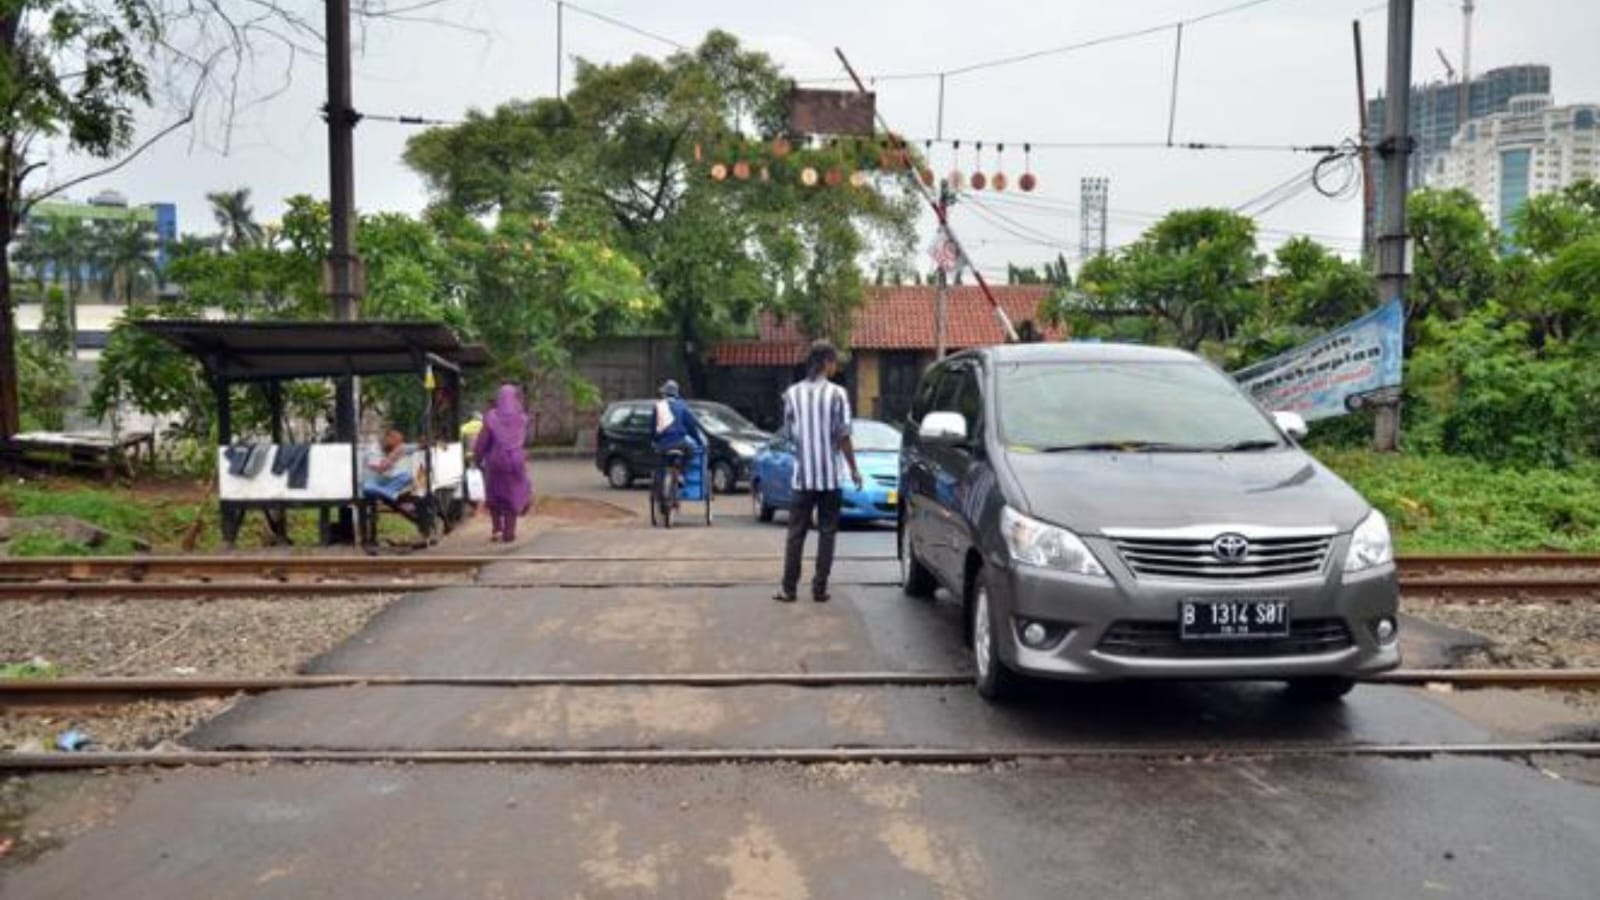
point(743, 448)
point(1035, 543)
point(1370, 545)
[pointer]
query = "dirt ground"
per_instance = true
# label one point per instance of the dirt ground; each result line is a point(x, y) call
point(1525, 635)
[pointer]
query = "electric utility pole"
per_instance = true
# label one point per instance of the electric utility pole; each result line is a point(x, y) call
point(941, 297)
point(340, 274)
point(1394, 257)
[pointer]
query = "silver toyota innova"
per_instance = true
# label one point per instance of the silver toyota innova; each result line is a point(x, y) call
point(1108, 511)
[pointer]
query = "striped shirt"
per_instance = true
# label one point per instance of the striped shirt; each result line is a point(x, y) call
point(817, 414)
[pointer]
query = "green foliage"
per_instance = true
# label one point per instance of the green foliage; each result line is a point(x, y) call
point(30, 669)
point(623, 159)
point(1445, 504)
point(49, 542)
point(46, 386)
point(1192, 277)
point(1456, 254)
point(56, 326)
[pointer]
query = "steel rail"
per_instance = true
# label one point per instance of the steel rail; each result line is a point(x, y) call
point(794, 755)
point(144, 566)
point(28, 692)
point(1419, 590)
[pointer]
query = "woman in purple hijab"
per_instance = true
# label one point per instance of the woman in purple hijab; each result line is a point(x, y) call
point(499, 453)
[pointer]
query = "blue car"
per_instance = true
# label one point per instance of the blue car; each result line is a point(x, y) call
point(877, 449)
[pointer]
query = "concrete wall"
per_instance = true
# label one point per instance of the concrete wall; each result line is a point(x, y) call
point(621, 369)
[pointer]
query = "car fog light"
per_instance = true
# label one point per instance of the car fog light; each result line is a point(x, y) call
point(1385, 630)
point(1034, 634)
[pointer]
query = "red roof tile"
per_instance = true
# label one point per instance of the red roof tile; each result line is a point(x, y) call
point(899, 318)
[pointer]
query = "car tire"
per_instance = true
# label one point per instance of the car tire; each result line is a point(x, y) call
point(994, 679)
point(915, 578)
point(618, 474)
point(723, 479)
point(1320, 690)
point(758, 506)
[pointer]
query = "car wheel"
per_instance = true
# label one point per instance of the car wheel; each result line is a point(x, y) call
point(915, 579)
point(758, 506)
point(722, 478)
point(1320, 690)
point(994, 680)
point(618, 473)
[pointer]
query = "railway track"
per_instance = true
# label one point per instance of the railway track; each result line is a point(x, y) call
point(1542, 575)
point(79, 692)
point(33, 762)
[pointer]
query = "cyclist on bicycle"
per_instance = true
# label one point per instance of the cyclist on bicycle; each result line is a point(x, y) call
point(677, 432)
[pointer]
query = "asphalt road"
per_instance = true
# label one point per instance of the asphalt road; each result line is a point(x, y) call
point(1203, 825)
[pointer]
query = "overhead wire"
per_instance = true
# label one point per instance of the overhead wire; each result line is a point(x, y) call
point(1052, 51)
point(618, 23)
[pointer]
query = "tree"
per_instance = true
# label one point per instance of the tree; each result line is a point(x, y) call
point(1456, 254)
point(1193, 274)
point(236, 218)
point(625, 159)
point(74, 73)
point(125, 258)
point(69, 70)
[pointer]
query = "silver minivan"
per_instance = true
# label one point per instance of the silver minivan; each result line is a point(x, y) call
point(1107, 511)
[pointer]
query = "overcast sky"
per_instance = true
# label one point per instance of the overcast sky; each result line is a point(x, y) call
point(1278, 73)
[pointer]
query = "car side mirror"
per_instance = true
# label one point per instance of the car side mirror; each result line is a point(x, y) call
point(1292, 424)
point(949, 428)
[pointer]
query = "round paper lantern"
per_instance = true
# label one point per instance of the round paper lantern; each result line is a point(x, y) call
point(998, 182)
point(956, 179)
point(780, 147)
point(833, 177)
point(808, 176)
point(858, 178)
point(979, 181)
point(927, 176)
point(719, 172)
point(1027, 181)
point(741, 170)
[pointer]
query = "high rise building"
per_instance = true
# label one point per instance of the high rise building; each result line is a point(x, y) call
point(1532, 148)
point(105, 207)
point(1435, 112)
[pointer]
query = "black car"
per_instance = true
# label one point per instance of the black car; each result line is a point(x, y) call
point(623, 447)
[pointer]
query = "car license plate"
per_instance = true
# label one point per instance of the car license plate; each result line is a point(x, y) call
point(894, 497)
point(1209, 619)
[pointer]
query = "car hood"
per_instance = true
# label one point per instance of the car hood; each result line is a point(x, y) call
point(1091, 492)
point(756, 438)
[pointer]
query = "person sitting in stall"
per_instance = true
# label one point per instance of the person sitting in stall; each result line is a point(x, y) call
point(389, 473)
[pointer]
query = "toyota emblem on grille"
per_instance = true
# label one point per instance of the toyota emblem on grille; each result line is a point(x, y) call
point(1230, 547)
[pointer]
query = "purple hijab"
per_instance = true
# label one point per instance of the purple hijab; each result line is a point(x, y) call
point(499, 453)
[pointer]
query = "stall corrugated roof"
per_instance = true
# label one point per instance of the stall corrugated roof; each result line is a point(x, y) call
point(268, 351)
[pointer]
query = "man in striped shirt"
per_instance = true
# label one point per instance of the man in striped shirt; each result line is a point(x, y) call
point(817, 414)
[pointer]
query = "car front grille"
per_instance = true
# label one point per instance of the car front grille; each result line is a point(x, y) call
point(887, 480)
point(1160, 640)
point(1279, 556)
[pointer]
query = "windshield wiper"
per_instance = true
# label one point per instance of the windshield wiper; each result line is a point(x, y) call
point(1123, 447)
point(1255, 444)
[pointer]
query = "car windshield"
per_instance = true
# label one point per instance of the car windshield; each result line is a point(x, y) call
point(719, 419)
point(870, 434)
point(1135, 406)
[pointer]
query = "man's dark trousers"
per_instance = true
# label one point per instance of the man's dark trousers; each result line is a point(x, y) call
point(826, 503)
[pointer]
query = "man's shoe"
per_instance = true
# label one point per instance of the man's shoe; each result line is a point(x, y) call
point(783, 597)
point(819, 596)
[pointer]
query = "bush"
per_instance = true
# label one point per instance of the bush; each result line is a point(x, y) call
point(46, 387)
point(1451, 504)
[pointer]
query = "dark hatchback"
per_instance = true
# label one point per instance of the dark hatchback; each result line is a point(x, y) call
point(623, 449)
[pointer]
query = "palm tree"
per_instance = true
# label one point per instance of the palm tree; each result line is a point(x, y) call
point(126, 258)
point(236, 218)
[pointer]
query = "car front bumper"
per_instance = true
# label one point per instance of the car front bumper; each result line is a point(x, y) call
point(869, 503)
point(1128, 628)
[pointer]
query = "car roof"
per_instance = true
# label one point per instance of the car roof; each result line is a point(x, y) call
point(1082, 352)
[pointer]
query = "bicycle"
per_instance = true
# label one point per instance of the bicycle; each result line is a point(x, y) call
point(673, 482)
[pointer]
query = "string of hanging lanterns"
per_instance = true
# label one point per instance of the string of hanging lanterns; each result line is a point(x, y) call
point(855, 161)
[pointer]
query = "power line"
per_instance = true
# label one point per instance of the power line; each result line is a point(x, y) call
point(1054, 51)
point(407, 119)
point(618, 23)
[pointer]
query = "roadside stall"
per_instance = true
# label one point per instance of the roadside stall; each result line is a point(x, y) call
point(424, 482)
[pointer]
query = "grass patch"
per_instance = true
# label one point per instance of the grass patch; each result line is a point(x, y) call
point(159, 513)
point(33, 669)
point(1446, 504)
